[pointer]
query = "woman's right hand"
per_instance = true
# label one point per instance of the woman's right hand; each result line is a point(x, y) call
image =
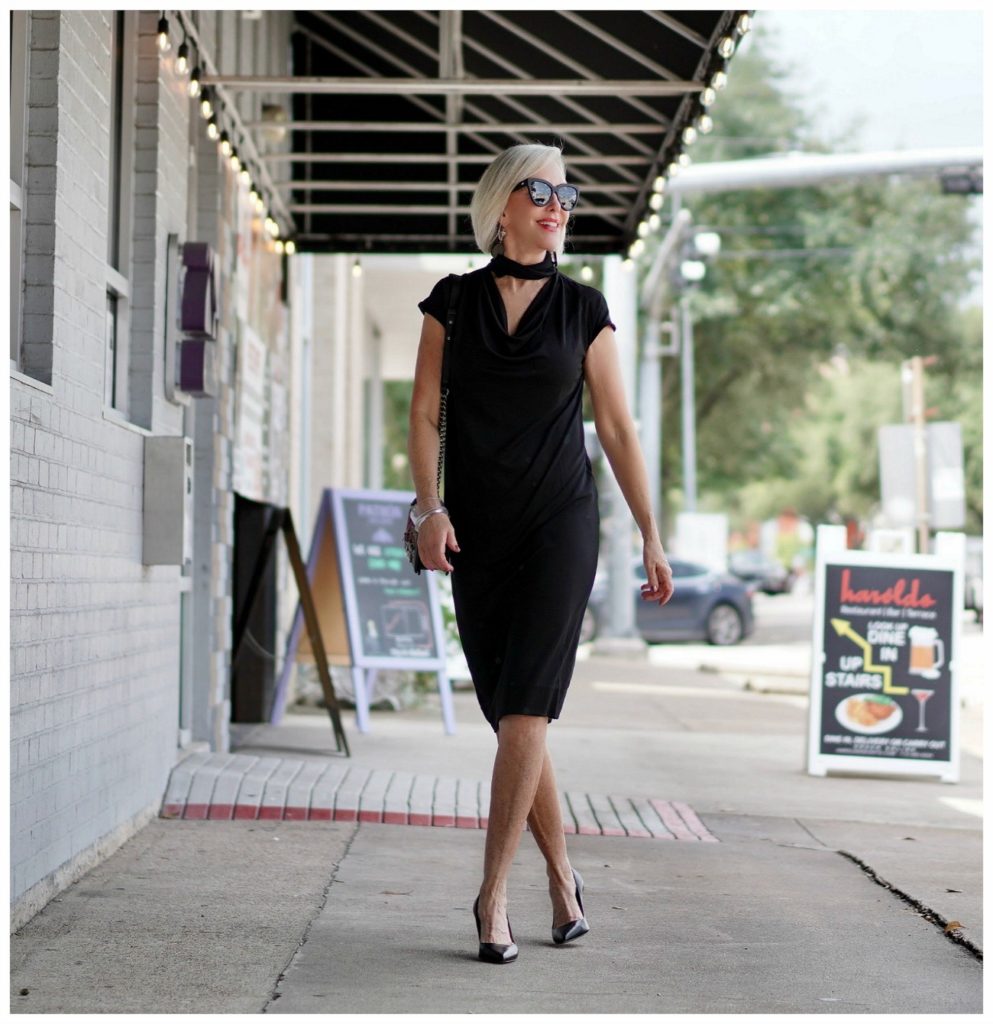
point(433, 538)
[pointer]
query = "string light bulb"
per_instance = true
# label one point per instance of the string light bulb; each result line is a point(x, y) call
point(183, 58)
point(206, 107)
point(163, 35)
point(719, 80)
point(279, 247)
point(586, 273)
point(356, 268)
point(689, 135)
point(246, 178)
point(659, 185)
point(656, 201)
point(684, 159)
point(225, 144)
point(212, 130)
point(259, 204)
point(643, 229)
point(706, 124)
point(744, 24)
point(291, 247)
point(235, 162)
point(726, 47)
point(708, 96)
point(194, 87)
point(637, 248)
point(653, 222)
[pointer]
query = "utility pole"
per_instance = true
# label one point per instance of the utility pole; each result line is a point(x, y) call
point(917, 416)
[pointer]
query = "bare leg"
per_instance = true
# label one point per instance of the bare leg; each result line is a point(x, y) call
point(516, 773)
point(545, 821)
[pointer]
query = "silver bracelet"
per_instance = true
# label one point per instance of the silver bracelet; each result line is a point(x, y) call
point(418, 519)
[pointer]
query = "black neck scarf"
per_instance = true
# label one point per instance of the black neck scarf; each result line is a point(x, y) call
point(502, 266)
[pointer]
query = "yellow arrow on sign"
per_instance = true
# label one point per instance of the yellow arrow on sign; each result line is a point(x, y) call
point(844, 628)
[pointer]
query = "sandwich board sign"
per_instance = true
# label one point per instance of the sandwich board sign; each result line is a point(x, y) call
point(884, 680)
point(375, 612)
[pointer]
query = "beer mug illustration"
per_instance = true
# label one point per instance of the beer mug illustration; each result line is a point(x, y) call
point(927, 652)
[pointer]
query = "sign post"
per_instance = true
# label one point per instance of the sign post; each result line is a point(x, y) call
point(884, 682)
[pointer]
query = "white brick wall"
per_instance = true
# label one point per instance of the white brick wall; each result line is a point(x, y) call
point(94, 634)
point(94, 684)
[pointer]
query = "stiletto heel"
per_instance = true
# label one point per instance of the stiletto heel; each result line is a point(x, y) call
point(494, 952)
point(572, 929)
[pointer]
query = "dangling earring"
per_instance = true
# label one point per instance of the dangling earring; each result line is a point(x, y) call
point(501, 234)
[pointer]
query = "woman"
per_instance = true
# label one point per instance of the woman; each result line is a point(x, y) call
point(519, 530)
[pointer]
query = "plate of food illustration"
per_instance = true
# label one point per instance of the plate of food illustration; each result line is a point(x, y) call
point(869, 713)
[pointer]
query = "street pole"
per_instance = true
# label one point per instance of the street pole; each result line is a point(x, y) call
point(650, 411)
point(689, 409)
point(920, 451)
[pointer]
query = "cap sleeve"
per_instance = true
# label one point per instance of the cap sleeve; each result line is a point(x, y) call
point(597, 316)
point(437, 302)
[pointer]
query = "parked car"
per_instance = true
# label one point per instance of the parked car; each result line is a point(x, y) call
point(705, 605)
point(752, 566)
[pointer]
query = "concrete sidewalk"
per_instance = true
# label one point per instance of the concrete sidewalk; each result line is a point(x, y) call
point(818, 895)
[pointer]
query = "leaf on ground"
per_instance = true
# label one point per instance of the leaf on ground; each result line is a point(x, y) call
point(952, 926)
point(953, 890)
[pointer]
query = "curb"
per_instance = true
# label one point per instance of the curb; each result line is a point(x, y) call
point(241, 787)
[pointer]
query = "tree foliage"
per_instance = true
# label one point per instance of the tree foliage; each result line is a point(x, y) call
point(872, 269)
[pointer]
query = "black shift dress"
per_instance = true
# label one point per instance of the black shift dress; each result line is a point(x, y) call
point(519, 487)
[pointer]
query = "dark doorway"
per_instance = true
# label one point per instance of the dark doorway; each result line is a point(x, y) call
point(253, 678)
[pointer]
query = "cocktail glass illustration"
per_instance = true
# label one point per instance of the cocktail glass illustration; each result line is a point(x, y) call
point(922, 696)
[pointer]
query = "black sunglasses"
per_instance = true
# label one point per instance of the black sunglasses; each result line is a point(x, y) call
point(541, 192)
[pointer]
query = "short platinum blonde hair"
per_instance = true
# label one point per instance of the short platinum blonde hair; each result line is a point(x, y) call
point(494, 188)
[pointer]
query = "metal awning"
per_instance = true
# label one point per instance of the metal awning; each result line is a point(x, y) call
point(394, 115)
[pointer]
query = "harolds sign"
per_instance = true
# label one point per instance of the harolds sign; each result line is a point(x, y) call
point(884, 693)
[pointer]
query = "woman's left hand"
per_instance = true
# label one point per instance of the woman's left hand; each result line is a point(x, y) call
point(659, 586)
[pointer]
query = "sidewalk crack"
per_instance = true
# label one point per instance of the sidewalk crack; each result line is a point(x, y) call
point(926, 912)
point(275, 994)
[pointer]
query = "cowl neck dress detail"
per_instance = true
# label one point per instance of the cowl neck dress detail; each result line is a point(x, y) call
point(531, 323)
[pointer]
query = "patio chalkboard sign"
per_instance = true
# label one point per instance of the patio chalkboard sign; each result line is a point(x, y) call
point(883, 689)
point(375, 611)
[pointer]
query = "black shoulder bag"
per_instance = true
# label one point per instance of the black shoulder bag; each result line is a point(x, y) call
point(410, 531)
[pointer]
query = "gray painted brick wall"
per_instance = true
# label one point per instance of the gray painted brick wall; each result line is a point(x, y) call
point(94, 686)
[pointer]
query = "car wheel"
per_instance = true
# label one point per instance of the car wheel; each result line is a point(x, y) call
point(588, 629)
point(724, 625)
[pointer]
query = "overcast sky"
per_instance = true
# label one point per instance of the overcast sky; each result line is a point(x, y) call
point(915, 75)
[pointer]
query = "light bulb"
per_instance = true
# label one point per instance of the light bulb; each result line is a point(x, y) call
point(246, 178)
point(225, 144)
point(689, 135)
point(719, 80)
point(259, 204)
point(291, 247)
point(183, 58)
point(659, 184)
point(586, 273)
point(708, 96)
point(163, 35)
point(235, 163)
point(744, 24)
point(206, 107)
point(656, 201)
point(212, 132)
point(643, 229)
point(684, 160)
point(726, 47)
point(653, 222)
point(356, 268)
point(705, 124)
point(194, 87)
point(279, 247)
point(637, 248)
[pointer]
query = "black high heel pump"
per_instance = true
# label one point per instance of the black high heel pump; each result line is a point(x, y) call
point(572, 929)
point(494, 952)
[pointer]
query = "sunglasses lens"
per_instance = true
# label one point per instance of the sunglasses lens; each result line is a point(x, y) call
point(540, 191)
point(568, 196)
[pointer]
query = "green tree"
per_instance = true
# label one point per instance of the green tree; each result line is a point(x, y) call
point(872, 269)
